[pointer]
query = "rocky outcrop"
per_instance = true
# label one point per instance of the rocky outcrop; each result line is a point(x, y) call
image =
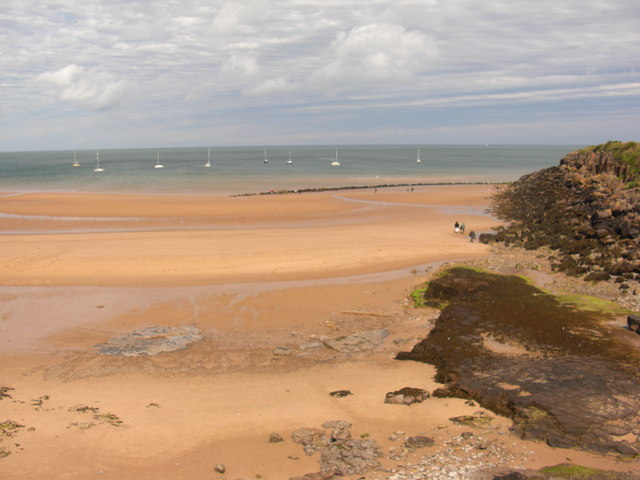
point(340, 454)
point(563, 376)
point(586, 209)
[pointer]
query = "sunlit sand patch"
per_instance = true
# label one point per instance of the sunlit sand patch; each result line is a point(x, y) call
point(496, 346)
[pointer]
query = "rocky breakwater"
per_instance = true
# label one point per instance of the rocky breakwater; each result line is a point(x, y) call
point(587, 209)
point(564, 376)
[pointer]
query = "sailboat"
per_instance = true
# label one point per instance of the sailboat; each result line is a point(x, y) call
point(265, 156)
point(208, 164)
point(75, 163)
point(289, 162)
point(418, 159)
point(336, 163)
point(98, 167)
point(158, 164)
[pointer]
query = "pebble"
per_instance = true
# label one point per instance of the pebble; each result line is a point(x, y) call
point(220, 468)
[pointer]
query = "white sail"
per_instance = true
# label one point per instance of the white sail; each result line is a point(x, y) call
point(158, 164)
point(98, 167)
point(336, 163)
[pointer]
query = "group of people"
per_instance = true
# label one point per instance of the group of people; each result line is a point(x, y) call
point(459, 228)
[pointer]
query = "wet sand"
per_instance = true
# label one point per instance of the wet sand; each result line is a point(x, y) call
point(264, 279)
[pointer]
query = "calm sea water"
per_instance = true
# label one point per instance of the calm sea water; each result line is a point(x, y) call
point(242, 169)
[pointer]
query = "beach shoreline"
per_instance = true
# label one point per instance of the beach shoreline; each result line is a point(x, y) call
point(266, 281)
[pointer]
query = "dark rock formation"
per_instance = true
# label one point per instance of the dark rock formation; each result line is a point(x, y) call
point(563, 376)
point(587, 208)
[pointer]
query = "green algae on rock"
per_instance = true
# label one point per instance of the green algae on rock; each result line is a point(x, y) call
point(563, 375)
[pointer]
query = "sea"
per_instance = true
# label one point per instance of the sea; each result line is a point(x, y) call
point(243, 170)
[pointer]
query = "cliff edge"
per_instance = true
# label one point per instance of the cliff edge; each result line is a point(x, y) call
point(587, 209)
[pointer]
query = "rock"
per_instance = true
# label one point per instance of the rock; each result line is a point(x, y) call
point(511, 476)
point(275, 438)
point(311, 439)
point(341, 393)
point(282, 351)
point(220, 468)
point(633, 322)
point(357, 342)
point(476, 421)
point(339, 453)
point(487, 238)
point(583, 205)
point(315, 476)
point(407, 396)
point(419, 441)
point(150, 341)
point(566, 354)
point(597, 277)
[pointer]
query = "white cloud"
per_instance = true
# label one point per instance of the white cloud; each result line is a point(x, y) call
point(374, 53)
point(275, 86)
point(241, 64)
point(232, 16)
point(92, 88)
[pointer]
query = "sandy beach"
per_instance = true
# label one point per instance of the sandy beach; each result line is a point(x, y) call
point(265, 280)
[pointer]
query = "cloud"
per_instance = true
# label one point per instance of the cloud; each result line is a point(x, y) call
point(376, 53)
point(324, 62)
point(89, 87)
point(233, 16)
point(241, 64)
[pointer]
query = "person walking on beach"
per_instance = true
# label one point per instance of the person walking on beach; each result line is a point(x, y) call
point(472, 236)
point(462, 228)
point(457, 226)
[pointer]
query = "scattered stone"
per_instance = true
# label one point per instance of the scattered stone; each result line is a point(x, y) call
point(151, 341)
point(341, 393)
point(358, 342)
point(8, 428)
point(476, 421)
point(38, 402)
point(3, 392)
point(275, 438)
point(83, 409)
point(310, 346)
point(220, 468)
point(339, 453)
point(407, 396)
point(282, 351)
point(315, 476)
point(419, 441)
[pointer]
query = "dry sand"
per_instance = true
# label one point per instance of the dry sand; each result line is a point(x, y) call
point(264, 278)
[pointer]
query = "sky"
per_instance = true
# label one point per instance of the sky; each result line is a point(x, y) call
point(173, 73)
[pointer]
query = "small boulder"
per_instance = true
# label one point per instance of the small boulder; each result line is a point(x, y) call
point(407, 396)
point(275, 438)
point(633, 322)
point(419, 441)
point(341, 393)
